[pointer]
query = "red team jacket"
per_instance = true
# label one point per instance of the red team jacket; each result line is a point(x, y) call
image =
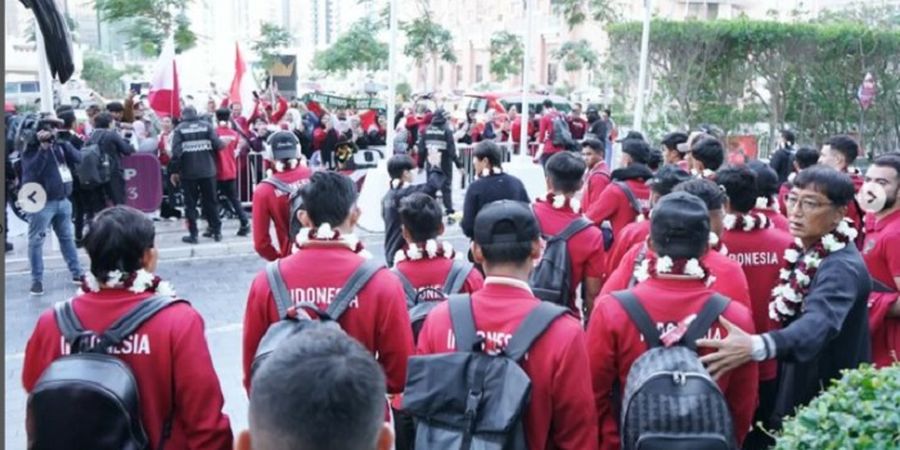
point(760, 254)
point(170, 361)
point(596, 181)
point(778, 221)
point(882, 256)
point(225, 163)
point(432, 273)
point(730, 280)
point(613, 205)
point(545, 134)
point(633, 234)
point(586, 253)
point(270, 205)
point(614, 343)
point(377, 318)
point(577, 126)
point(561, 413)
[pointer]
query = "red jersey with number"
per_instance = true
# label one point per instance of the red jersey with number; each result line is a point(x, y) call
point(882, 255)
point(271, 207)
point(614, 343)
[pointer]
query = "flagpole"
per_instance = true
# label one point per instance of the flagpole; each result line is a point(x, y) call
point(46, 81)
point(642, 72)
point(526, 79)
point(392, 79)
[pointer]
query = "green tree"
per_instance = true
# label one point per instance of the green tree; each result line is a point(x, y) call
point(150, 22)
point(506, 54)
point(102, 76)
point(575, 55)
point(576, 12)
point(272, 38)
point(358, 48)
point(427, 40)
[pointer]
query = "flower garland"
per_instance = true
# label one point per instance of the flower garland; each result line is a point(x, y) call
point(559, 201)
point(770, 203)
point(653, 266)
point(397, 183)
point(746, 222)
point(139, 282)
point(324, 234)
point(433, 250)
point(486, 172)
point(801, 267)
point(707, 174)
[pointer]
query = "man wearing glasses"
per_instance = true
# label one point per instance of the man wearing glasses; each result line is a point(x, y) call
point(820, 302)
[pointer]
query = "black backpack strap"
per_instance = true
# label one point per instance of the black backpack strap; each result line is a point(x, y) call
point(878, 286)
point(133, 319)
point(456, 278)
point(639, 317)
point(712, 309)
point(278, 184)
point(352, 286)
point(408, 289)
point(641, 256)
point(279, 289)
point(534, 325)
point(67, 321)
point(572, 229)
point(463, 322)
point(635, 205)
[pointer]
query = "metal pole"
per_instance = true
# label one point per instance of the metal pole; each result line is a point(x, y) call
point(44, 78)
point(526, 78)
point(392, 79)
point(642, 75)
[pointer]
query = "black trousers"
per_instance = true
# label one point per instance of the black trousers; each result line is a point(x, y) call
point(85, 204)
point(447, 188)
point(228, 189)
point(757, 439)
point(115, 189)
point(204, 190)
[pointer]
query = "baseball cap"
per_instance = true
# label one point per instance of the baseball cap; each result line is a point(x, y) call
point(505, 221)
point(674, 139)
point(696, 136)
point(284, 145)
point(637, 149)
point(679, 226)
point(666, 178)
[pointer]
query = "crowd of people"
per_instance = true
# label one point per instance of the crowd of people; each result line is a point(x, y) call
point(762, 282)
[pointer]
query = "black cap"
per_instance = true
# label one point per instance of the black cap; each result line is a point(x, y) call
point(638, 149)
point(679, 226)
point(592, 110)
point(284, 145)
point(593, 143)
point(505, 221)
point(674, 138)
point(667, 177)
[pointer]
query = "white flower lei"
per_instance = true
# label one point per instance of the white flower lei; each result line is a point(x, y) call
point(141, 281)
point(325, 233)
point(749, 221)
point(665, 265)
point(397, 183)
point(706, 173)
point(560, 201)
point(433, 250)
point(486, 172)
point(763, 203)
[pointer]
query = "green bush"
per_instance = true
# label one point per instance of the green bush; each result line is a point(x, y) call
point(859, 411)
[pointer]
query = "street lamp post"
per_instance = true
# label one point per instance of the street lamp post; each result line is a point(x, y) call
point(392, 78)
point(46, 81)
point(642, 73)
point(526, 78)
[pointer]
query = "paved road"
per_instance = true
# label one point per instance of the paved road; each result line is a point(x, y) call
point(217, 288)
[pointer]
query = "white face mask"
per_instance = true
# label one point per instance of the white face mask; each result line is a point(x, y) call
point(872, 197)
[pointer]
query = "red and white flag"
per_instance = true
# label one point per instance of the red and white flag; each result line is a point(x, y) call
point(242, 84)
point(164, 96)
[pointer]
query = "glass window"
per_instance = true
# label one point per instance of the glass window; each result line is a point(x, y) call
point(29, 86)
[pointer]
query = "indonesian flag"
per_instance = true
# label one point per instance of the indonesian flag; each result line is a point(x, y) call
point(242, 84)
point(164, 95)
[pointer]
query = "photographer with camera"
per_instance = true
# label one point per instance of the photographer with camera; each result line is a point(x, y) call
point(49, 162)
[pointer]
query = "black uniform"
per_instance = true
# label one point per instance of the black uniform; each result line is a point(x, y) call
point(390, 210)
point(439, 136)
point(115, 147)
point(194, 147)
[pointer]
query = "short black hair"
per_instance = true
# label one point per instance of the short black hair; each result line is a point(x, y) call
point(740, 186)
point(223, 114)
point(846, 145)
point(547, 103)
point(656, 159)
point(806, 157)
point(490, 151)
point(398, 164)
point(67, 115)
point(595, 145)
point(566, 171)
point(710, 152)
point(837, 186)
point(329, 197)
point(891, 160)
point(421, 215)
point(103, 120)
point(115, 107)
point(671, 140)
point(117, 240)
point(766, 178)
point(320, 390)
point(789, 136)
point(707, 190)
point(506, 252)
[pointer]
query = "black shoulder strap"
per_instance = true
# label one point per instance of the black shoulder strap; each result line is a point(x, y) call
point(352, 286)
point(132, 320)
point(641, 256)
point(278, 184)
point(67, 321)
point(456, 278)
point(878, 286)
point(573, 228)
point(534, 325)
point(639, 317)
point(408, 289)
point(711, 311)
point(635, 205)
point(463, 322)
point(279, 289)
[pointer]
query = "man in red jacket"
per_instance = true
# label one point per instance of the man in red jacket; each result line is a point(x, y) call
point(328, 254)
point(577, 123)
point(679, 227)
point(755, 243)
point(507, 243)
point(271, 203)
point(627, 198)
point(546, 149)
point(167, 354)
point(839, 153)
point(226, 167)
point(597, 178)
point(558, 209)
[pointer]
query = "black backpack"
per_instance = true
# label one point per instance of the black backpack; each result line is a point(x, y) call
point(632, 199)
point(562, 135)
point(295, 319)
point(93, 170)
point(419, 304)
point(468, 399)
point(89, 398)
point(670, 401)
point(294, 200)
point(552, 278)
